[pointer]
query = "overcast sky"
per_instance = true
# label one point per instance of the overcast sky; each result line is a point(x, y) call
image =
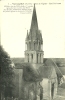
point(50, 18)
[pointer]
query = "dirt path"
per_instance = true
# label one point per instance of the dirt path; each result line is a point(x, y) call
point(59, 98)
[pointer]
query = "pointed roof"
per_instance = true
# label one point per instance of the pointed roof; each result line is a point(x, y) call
point(34, 23)
point(34, 33)
point(34, 26)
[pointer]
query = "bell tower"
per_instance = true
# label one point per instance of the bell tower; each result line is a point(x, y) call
point(34, 42)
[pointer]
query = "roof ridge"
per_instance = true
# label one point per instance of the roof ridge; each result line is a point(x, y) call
point(56, 66)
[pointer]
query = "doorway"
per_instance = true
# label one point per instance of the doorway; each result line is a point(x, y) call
point(52, 90)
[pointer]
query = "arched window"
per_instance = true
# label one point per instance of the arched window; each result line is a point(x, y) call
point(28, 57)
point(37, 58)
point(29, 45)
point(39, 45)
point(34, 45)
point(32, 57)
point(40, 58)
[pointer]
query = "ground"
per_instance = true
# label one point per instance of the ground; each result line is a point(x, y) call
point(61, 94)
point(59, 98)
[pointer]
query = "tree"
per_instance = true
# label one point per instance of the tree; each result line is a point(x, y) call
point(6, 74)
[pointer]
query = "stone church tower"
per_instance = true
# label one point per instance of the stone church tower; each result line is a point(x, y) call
point(34, 43)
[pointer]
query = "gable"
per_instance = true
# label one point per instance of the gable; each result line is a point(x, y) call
point(50, 62)
point(53, 74)
point(47, 71)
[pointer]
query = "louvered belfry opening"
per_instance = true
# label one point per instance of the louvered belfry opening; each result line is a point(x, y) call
point(34, 41)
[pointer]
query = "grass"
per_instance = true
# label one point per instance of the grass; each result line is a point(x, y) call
point(61, 91)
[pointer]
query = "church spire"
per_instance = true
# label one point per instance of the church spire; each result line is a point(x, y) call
point(34, 23)
point(34, 42)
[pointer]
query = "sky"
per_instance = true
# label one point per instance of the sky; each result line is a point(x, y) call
point(50, 16)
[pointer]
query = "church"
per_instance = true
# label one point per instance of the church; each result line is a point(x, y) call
point(36, 78)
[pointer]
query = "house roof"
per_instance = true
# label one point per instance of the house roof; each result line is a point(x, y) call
point(46, 71)
point(30, 72)
point(50, 62)
point(59, 63)
point(62, 69)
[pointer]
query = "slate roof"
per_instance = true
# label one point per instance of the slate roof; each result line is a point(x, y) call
point(46, 71)
point(50, 62)
point(62, 69)
point(34, 23)
point(56, 60)
point(30, 72)
point(34, 33)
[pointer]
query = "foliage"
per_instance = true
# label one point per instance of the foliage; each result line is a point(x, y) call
point(7, 74)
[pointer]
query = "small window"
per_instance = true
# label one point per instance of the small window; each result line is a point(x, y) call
point(39, 45)
point(29, 45)
point(34, 46)
point(32, 57)
point(28, 57)
point(40, 58)
point(37, 58)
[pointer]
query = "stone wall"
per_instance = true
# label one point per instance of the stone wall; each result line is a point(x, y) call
point(17, 82)
point(46, 88)
point(26, 90)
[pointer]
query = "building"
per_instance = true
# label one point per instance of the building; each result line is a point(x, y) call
point(34, 55)
point(37, 79)
point(34, 43)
